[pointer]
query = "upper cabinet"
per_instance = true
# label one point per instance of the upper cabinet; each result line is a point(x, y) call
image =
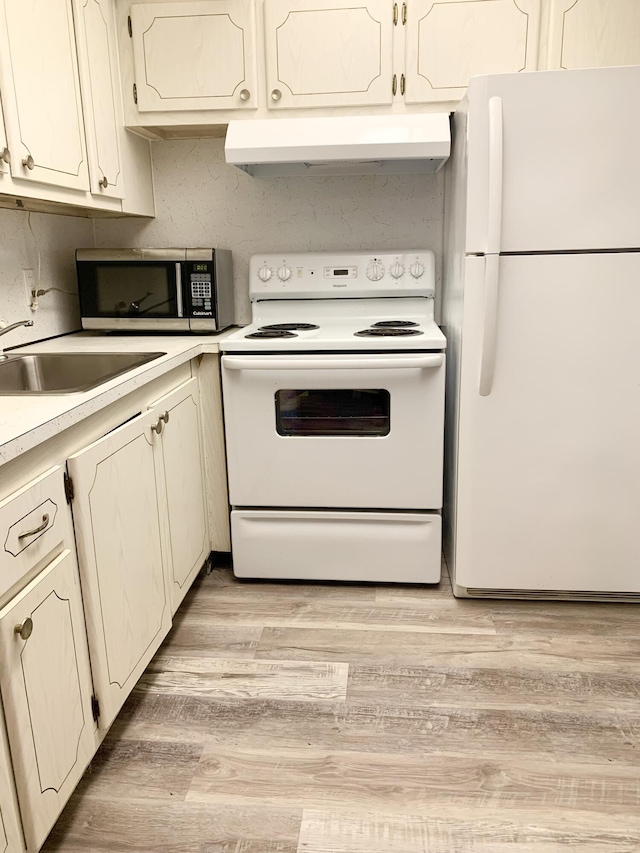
point(328, 53)
point(593, 33)
point(98, 64)
point(5, 153)
point(41, 93)
point(194, 56)
point(449, 41)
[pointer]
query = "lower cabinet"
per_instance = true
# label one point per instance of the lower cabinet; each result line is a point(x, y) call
point(10, 832)
point(180, 466)
point(47, 693)
point(119, 528)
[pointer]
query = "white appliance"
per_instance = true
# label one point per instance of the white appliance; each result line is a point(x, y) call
point(334, 419)
point(347, 145)
point(542, 314)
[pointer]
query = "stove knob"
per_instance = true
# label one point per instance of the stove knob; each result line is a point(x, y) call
point(396, 269)
point(417, 269)
point(284, 273)
point(264, 273)
point(375, 271)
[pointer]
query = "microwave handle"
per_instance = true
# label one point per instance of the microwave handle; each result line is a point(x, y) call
point(377, 362)
point(179, 305)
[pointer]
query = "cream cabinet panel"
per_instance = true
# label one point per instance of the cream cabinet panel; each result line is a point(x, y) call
point(118, 532)
point(593, 33)
point(449, 41)
point(5, 159)
point(98, 63)
point(328, 53)
point(41, 93)
point(10, 832)
point(195, 56)
point(181, 462)
point(46, 692)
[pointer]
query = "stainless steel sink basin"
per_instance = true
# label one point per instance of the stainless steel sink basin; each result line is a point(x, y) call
point(65, 373)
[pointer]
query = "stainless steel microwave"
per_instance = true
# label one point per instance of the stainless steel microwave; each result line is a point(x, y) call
point(163, 290)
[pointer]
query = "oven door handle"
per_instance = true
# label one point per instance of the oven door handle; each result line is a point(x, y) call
point(378, 362)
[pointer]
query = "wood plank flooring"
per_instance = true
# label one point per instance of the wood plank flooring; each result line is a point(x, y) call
point(300, 718)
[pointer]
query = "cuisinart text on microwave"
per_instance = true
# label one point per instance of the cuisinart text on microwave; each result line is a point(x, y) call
point(163, 290)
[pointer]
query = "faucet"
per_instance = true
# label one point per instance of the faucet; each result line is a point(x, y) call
point(15, 326)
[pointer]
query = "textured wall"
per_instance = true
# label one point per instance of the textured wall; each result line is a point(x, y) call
point(203, 202)
point(58, 237)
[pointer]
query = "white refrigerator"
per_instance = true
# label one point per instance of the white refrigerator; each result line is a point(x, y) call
point(541, 309)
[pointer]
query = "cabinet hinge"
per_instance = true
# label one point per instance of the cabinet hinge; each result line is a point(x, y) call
point(69, 491)
point(135, 94)
point(395, 14)
point(404, 14)
point(130, 27)
point(95, 708)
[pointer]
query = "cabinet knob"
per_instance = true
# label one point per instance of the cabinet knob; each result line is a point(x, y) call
point(104, 183)
point(25, 629)
point(158, 427)
point(29, 162)
point(276, 95)
point(245, 94)
point(5, 155)
point(164, 417)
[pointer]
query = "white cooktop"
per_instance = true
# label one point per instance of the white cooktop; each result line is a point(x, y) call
point(342, 294)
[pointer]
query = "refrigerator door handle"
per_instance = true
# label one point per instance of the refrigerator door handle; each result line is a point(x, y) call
point(489, 325)
point(494, 212)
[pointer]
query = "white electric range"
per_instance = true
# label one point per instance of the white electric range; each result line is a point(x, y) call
point(334, 414)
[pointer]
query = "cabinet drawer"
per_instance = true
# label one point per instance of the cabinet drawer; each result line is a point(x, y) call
point(33, 522)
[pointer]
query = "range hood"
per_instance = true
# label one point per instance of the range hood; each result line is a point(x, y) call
point(350, 145)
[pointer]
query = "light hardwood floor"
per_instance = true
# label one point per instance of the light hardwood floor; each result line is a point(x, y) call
point(295, 718)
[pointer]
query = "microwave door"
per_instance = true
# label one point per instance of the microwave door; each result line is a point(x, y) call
point(134, 295)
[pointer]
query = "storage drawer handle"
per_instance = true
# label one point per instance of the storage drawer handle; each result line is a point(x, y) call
point(363, 363)
point(25, 629)
point(39, 529)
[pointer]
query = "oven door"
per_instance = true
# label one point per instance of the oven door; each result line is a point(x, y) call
point(132, 294)
point(336, 431)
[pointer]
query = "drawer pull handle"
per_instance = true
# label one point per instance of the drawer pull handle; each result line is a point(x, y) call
point(39, 529)
point(25, 629)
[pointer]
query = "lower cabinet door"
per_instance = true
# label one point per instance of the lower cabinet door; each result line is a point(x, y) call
point(119, 530)
point(10, 832)
point(181, 468)
point(46, 692)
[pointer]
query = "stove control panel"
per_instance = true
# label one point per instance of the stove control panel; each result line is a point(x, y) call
point(334, 275)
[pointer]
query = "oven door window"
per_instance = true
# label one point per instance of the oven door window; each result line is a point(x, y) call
point(359, 412)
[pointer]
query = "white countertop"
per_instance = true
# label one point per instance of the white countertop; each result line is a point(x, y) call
point(26, 421)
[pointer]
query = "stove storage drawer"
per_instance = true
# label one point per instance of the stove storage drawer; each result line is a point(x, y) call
point(343, 430)
point(380, 547)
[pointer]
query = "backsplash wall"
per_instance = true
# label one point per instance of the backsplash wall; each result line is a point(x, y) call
point(57, 237)
point(200, 201)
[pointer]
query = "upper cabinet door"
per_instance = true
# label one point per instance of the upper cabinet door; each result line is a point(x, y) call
point(41, 93)
point(118, 532)
point(5, 159)
point(328, 53)
point(195, 56)
point(593, 33)
point(98, 63)
point(46, 693)
point(449, 41)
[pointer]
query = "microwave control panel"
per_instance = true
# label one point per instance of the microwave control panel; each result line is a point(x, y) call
point(201, 288)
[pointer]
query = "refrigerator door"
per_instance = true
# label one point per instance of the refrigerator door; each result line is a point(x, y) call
point(548, 482)
point(570, 170)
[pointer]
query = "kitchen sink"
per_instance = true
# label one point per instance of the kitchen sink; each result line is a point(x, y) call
point(65, 373)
